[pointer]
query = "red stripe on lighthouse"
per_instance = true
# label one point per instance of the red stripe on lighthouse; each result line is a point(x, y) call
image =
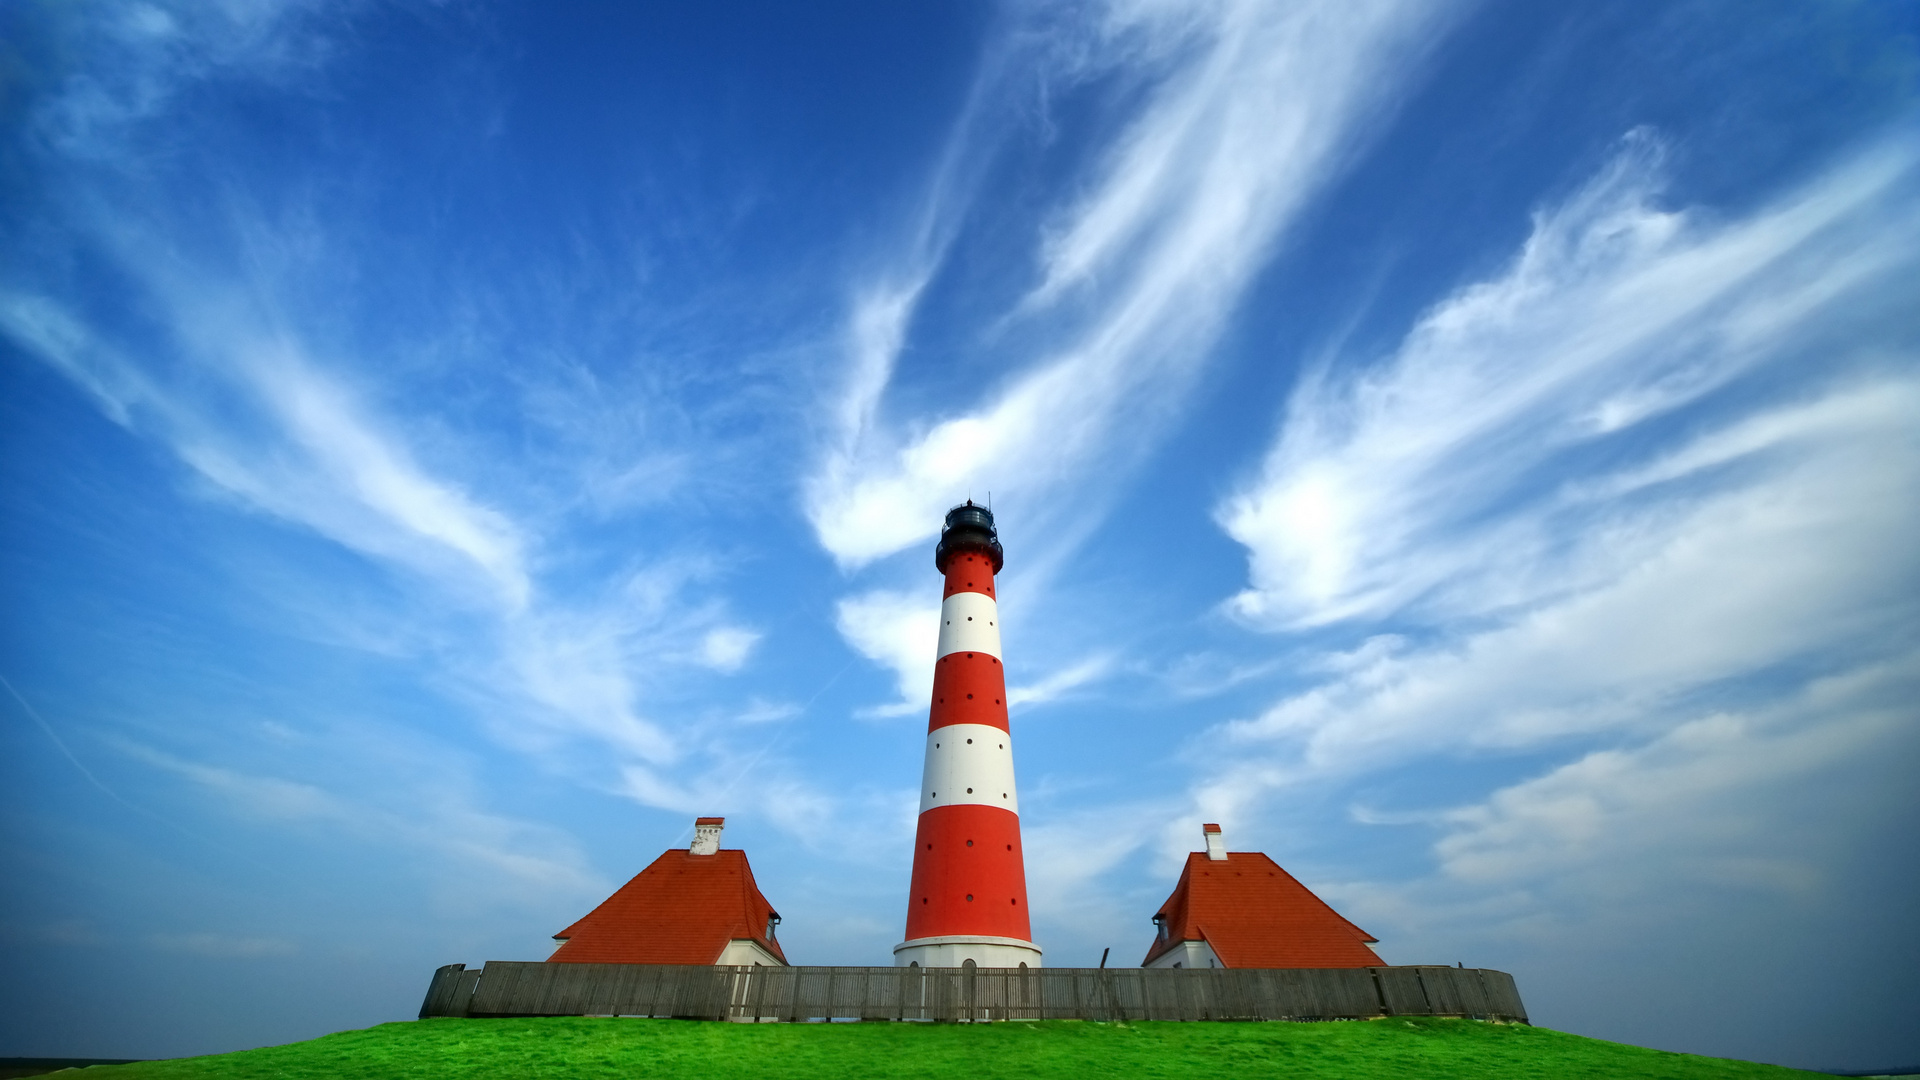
point(968, 875)
point(968, 688)
point(971, 572)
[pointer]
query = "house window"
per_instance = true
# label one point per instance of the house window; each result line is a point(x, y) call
point(773, 923)
point(1160, 928)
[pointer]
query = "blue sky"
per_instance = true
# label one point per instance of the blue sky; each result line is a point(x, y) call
point(1469, 450)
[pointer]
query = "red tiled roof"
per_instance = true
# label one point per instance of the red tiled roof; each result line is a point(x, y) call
point(682, 909)
point(1255, 915)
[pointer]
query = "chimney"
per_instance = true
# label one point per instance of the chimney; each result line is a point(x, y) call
point(706, 835)
point(1216, 843)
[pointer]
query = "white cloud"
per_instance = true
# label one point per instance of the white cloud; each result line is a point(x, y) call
point(320, 459)
point(759, 711)
point(1397, 483)
point(1706, 799)
point(274, 430)
point(524, 858)
point(1260, 108)
point(900, 630)
point(1060, 683)
point(572, 672)
point(1581, 527)
point(139, 56)
point(1807, 556)
point(239, 399)
point(1072, 858)
point(1742, 814)
point(726, 648)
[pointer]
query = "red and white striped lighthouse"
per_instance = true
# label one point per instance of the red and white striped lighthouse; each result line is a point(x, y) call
point(969, 897)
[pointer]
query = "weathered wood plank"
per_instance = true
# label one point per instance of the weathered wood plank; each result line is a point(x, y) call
point(1454, 991)
point(441, 992)
point(1503, 997)
point(1401, 991)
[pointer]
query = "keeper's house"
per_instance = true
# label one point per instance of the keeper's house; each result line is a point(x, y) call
point(698, 906)
point(1239, 909)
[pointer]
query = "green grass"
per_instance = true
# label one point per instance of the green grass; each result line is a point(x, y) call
point(586, 1048)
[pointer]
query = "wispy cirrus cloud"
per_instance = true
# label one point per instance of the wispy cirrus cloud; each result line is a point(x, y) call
point(1250, 109)
point(138, 57)
point(309, 453)
point(1602, 508)
point(1711, 818)
point(1396, 484)
point(1246, 111)
point(1689, 799)
point(1799, 555)
point(429, 817)
point(215, 353)
point(1060, 683)
point(216, 350)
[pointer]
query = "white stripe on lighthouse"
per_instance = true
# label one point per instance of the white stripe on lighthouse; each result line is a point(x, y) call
point(969, 763)
point(969, 622)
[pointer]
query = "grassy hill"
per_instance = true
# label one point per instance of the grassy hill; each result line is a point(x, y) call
point(585, 1048)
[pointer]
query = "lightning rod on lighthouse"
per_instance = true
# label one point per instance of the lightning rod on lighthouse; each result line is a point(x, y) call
point(969, 896)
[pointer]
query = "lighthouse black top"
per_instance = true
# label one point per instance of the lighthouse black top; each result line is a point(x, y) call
point(968, 528)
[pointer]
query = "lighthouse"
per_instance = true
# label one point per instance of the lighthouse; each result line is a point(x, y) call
point(968, 904)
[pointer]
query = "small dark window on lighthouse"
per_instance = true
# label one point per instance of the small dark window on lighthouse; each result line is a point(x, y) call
point(969, 791)
point(969, 618)
point(969, 898)
point(969, 742)
point(969, 843)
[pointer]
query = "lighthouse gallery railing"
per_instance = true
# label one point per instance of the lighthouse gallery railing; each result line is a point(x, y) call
point(508, 988)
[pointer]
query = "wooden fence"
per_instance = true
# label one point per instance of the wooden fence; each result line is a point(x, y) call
point(506, 988)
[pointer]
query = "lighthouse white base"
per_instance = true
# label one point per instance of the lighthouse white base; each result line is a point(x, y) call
point(986, 952)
